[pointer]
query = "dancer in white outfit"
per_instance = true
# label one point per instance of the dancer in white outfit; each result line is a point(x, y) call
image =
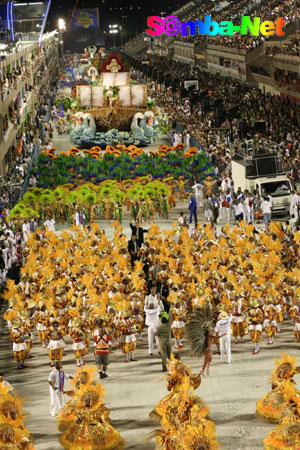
point(56, 382)
point(152, 321)
point(223, 330)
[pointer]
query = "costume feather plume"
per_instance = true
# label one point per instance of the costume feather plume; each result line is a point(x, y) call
point(197, 323)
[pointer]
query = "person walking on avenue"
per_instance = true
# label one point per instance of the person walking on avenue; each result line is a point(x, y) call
point(102, 340)
point(215, 207)
point(56, 383)
point(223, 331)
point(152, 321)
point(133, 248)
point(152, 298)
point(164, 337)
point(266, 210)
point(193, 209)
point(139, 232)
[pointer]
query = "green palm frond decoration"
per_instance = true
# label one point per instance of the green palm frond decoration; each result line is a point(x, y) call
point(118, 195)
point(150, 192)
point(29, 198)
point(30, 212)
point(36, 191)
point(46, 192)
point(59, 193)
point(21, 205)
point(46, 199)
point(106, 191)
point(91, 198)
point(16, 212)
point(72, 197)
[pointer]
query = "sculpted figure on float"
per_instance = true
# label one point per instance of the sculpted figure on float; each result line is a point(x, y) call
point(136, 126)
point(114, 67)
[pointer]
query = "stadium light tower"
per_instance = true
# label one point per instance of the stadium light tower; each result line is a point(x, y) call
point(61, 29)
point(113, 29)
point(61, 25)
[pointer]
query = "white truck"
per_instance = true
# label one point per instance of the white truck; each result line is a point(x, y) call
point(246, 174)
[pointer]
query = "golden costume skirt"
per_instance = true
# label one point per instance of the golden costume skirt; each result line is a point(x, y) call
point(271, 406)
point(92, 436)
point(285, 436)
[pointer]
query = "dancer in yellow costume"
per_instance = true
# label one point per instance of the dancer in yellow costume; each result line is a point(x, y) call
point(13, 433)
point(286, 435)
point(255, 328)
point(66, 416)
point(182, 422)
point(178, 373)
point(90, 430)
point(273, 404)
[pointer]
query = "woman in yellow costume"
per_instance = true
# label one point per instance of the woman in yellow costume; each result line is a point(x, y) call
point(178, 314)
point(14, 438)
point(255, 328)
point(238, 323)
point(183, 420)
point(270, 323)
point(90, 430)
point(286, 435)
point(272, 405)
point(66, 416)
point(56, 344)
point(17, 336)
point(13, 433)
point(78, 335)
point(178, 374)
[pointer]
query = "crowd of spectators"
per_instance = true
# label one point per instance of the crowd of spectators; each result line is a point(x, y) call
point(291, 48)
point(287, 79)
point(280, 116)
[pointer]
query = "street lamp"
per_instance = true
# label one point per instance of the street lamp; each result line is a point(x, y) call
point(61, 25)
point(61, 28)
point(113, 29)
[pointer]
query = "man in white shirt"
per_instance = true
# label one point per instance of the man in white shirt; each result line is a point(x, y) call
point(152, 298)
point(56, 382)
point(79, 218)
point(198, 188)
point(295, 201)
point(26, 230)
point(50, 224)
point(266, 210)
point(238, 210)
point(152, 321)
point(225, 185)
point(223, 330)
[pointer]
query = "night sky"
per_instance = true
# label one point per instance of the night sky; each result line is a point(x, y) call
point(130, 14)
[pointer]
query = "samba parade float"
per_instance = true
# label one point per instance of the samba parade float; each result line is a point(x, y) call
point(98, 104)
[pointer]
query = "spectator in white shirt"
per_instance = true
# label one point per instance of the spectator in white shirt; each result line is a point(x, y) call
point(295, 202)
point(198, 188)
point(266, 210)
point(239, 210)
point(50, 224)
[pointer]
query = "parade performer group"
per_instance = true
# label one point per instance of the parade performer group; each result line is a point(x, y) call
point(72, 280)
point(249, 282)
